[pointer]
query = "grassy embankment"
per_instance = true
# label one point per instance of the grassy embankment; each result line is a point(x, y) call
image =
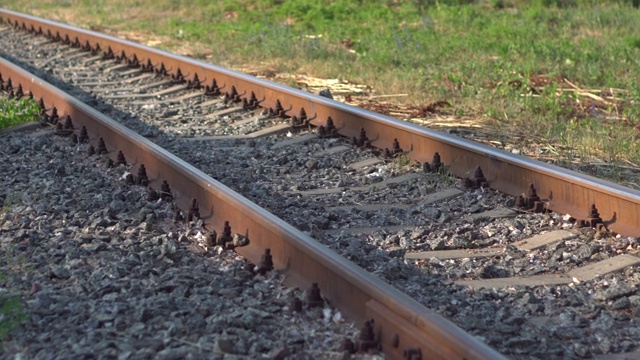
point(557, 79)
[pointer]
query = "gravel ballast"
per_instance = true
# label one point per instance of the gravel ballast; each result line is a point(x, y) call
point(99, 270)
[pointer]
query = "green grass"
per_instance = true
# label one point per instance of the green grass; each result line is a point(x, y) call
point(482, 57)
point(12, 313)
point(14, 112)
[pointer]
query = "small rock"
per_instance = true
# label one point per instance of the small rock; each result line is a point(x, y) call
point(581, 350)
point(172, 354)
point(583, 253)
point(311, 164)
point(493, 271)
point(60, 272)
point(93, 247)
point(615, 291)
point(326, 93)
point(279, 354)
point(240, 240)
point(432, 213)
point(224, 345)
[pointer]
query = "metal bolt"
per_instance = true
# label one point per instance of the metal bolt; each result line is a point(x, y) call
point(195, 83)
point(162, 71)
point(232, 95)
point(211, 240)
point(148, 67)
point(296, 304)
point(254, 102)
point(120, 159)
point(177, 78)
point(108, 55)
point(133, 62)
point(43, 110)
point(479, 179)
point(165, 191)
point(594, 220)
point(84, 135)
point(226, 235)
point(19, 92)
point(68, 124)
point(194, 211)
point(266, 263)
point(314, 299)
point(245, 105)
point(212, 90)
point(102, 147)
point(152, 195)
point(279, 111)
point(142, 177)
point(129, 180)
point(362, 139)
point(367, 339)
point(122, 57)
point(96, 49)
point(331, 128)
point(436, 163)
point(396, 147)
point(87, 46)
point(532, 200)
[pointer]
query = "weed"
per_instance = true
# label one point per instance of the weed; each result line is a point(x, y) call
point(403, 161)
point(12, 313)
point(14, 112)
point(10, 199)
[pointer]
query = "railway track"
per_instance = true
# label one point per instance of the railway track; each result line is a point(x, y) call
point(370, 188)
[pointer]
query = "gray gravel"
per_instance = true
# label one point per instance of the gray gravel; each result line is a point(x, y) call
point(579, 320)
point(99, 270)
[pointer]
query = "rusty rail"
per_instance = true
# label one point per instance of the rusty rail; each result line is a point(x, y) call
point(561, 190)
point(404, 327)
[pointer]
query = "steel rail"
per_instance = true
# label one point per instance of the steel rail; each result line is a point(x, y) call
point(403, 325)
point(561, 190)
